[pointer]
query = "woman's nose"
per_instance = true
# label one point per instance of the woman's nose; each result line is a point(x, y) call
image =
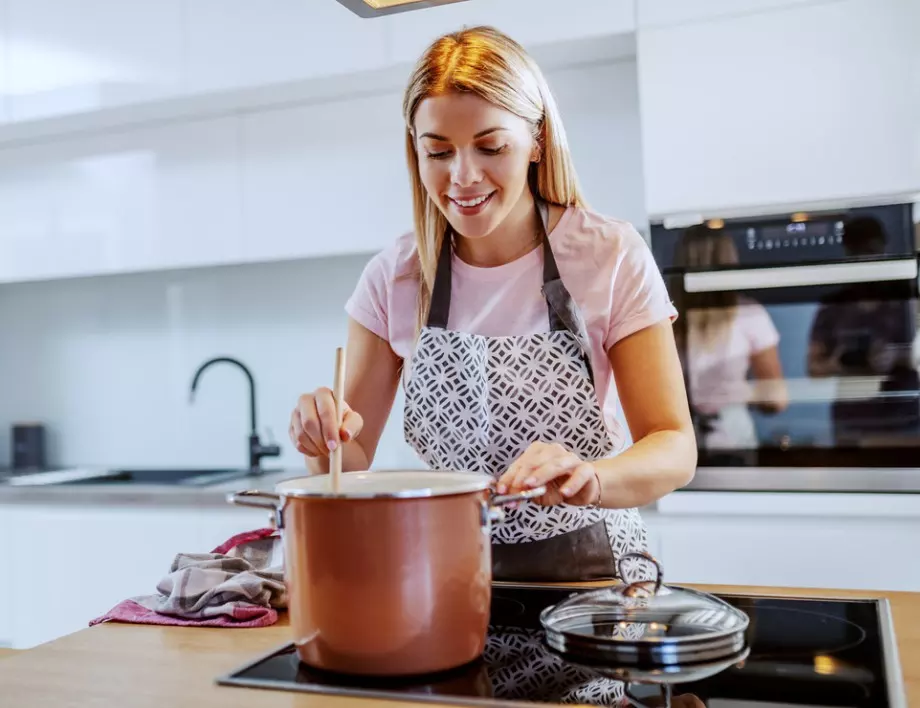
point(464, 170)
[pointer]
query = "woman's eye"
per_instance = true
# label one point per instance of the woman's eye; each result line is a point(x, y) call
point(493, 150)
point(433, 155)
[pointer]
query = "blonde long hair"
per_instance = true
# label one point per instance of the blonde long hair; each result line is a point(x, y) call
point(710, 318)
point(491, 65)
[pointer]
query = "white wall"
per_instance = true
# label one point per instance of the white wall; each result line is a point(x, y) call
point(106, 362)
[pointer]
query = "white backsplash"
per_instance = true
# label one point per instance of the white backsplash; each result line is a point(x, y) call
point(106, 363)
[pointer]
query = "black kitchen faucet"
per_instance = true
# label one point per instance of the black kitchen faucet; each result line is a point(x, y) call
point(256, 449)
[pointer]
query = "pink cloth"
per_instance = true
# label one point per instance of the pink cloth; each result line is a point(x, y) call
point(718, 368)
point(605, 264)
point(236, 585)
point(130, 612)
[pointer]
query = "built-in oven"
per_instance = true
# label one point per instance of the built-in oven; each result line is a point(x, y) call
point(798, 335)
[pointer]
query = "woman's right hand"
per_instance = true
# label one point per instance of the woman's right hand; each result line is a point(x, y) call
point(313, 424)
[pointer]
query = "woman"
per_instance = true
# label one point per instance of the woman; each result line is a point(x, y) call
point(508, 369)
point(725, 337)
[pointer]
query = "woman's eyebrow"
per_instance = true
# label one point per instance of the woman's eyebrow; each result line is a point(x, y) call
point(480, 134)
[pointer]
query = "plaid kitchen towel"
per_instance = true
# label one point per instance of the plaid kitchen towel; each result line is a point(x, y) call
point(239, 584)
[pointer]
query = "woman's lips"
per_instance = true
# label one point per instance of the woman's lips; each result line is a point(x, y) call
point(470, 206)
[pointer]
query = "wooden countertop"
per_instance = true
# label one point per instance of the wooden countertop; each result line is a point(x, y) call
point(153, 667)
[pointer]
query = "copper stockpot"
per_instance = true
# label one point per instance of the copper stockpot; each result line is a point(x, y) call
point(392, 575)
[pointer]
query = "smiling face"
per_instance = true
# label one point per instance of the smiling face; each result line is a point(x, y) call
point(473, 160)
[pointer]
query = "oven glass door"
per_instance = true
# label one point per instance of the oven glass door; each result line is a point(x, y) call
point(811, 366)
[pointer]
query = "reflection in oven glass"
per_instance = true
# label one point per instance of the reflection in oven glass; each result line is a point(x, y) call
point(731, 350)
point(804, 367)
point(865, 342)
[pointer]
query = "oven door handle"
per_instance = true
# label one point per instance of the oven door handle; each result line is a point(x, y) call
point(801, 276)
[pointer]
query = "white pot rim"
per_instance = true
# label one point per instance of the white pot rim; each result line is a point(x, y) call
point(386, 484)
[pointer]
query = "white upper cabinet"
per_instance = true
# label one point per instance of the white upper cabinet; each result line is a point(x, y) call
point(325, 179)
point(807, 103)
point(67, 206)
point(198, 197)
point(530, 22)
point(241, 43)
point(671, 12)
point(65, 57)
point(154, 198)
point(4, 74)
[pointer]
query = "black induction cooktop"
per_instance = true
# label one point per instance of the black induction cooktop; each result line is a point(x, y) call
point(803, 653)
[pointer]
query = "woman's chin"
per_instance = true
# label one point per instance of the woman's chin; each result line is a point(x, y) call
point(472, 226)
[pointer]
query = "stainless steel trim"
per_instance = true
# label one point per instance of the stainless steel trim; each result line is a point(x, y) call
point(476, 483)
point(894, 678)
point(626, 654)
point(854, 480)
point(255, 498)
point(406, 494)
point(758, 210)
point(520, 496)
point(800, 276)
point(61, 476)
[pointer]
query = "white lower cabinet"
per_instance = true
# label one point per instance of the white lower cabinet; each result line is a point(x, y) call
point(70, 564)
point(845, 541)
point(66, 565)
point(7, 584)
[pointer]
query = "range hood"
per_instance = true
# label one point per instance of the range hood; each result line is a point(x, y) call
point(379, 8)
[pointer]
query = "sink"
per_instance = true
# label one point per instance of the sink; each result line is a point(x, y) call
point(186, 477)
point(195, 477)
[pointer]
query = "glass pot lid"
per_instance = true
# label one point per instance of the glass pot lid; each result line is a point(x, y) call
point(645, 623)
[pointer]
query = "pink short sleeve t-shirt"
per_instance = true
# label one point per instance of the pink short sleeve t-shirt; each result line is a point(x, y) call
point(605, 264)
point(718, 370)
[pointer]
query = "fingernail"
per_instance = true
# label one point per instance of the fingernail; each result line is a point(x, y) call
point(566, 491)
point(332, 445)
point(502, 488)
point(530, 482)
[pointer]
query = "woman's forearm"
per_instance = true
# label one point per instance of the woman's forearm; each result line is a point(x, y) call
point(657, 464)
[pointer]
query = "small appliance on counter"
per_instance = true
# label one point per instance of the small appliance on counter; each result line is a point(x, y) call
point(28, 448)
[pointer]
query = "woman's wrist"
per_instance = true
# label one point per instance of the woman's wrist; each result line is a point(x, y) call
point(651, 468)
point(596, 503)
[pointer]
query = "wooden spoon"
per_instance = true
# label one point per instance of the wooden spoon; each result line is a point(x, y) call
point(338, 391)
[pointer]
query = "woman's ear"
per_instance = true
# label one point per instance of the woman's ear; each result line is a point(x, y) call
point(536, 153)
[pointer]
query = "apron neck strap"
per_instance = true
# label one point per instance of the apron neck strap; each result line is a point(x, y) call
point(439, 311)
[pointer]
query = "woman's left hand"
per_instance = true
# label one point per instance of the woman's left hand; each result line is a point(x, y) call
point(567, 477)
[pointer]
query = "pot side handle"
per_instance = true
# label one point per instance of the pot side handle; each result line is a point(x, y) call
point(253, 497)
point(493, 511)
point(505, 499)
point(260, 500)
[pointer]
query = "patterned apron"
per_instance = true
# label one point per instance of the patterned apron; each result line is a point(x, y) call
point(476, 403)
